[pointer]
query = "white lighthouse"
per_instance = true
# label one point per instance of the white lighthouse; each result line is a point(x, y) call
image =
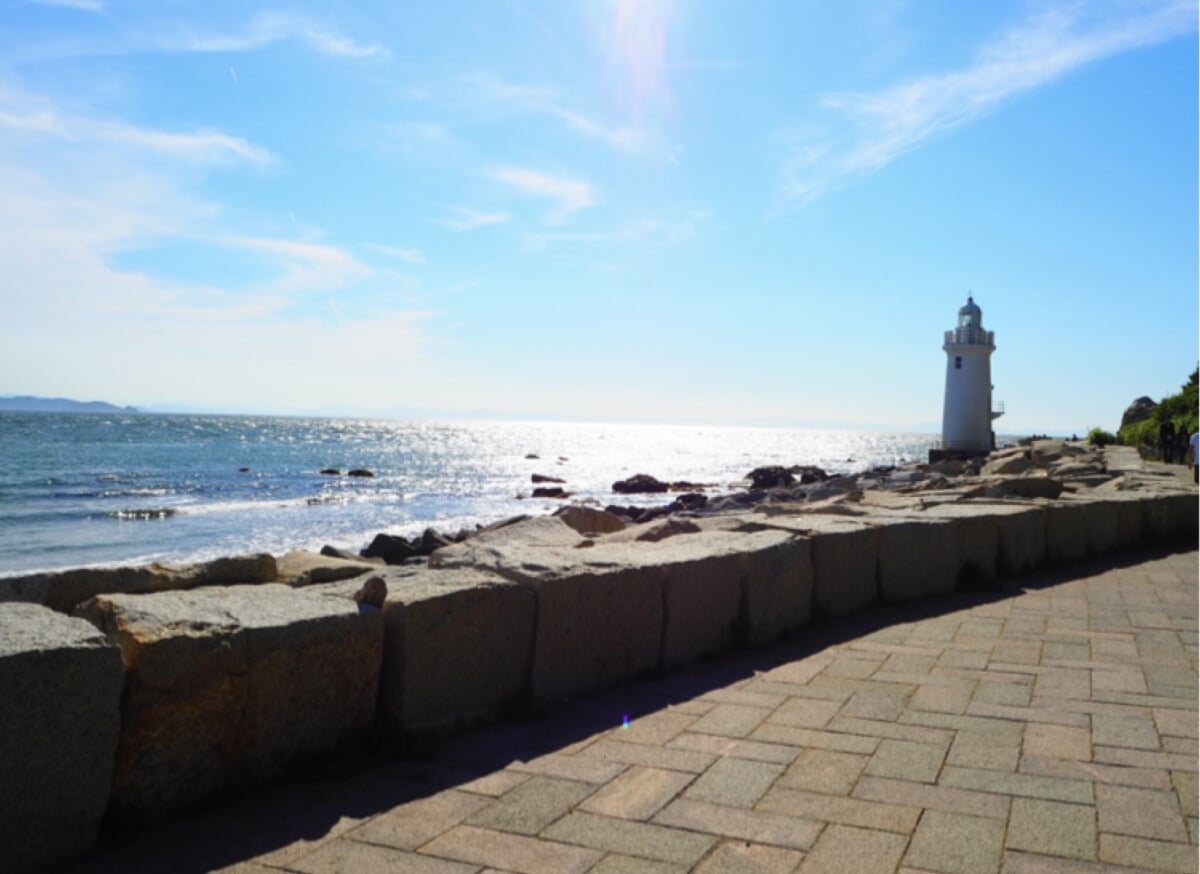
point(967, 413)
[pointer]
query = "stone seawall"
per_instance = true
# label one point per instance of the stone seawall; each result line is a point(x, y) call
point(132, 694)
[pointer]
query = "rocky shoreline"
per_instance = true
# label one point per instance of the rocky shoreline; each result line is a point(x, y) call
point(173, 685)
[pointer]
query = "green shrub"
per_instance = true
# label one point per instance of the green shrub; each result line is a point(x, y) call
point(1100, 437)
point(1180, 408)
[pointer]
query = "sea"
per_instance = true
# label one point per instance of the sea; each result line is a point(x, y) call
point(88, 489)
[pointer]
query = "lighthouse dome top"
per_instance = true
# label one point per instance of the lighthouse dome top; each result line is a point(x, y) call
point(970, 315)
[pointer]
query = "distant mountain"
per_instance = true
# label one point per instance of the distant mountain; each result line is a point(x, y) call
point(29, 404)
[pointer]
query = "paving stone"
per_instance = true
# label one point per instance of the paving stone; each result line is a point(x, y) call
point(741, 858)
point(1057, 741)
point(615, 863)
point(824, 771)
point(730, 720)
point(495, 784)
point(631, 838)
point(1185, 784)
point(585, 769)
point(1095, 772)
point(1052, 828)
point(1132, 733)
point(893, 730)
point(1142, 813)
point(639, 793)
point(755, 826)
point(805, 713)
point(1177, 723)
point(1143, 758)
point(956, 843)
point(734, 782)
point(532, 806)
point(944, 699)
point(1023, 785)
point(883, 704)
point(739, 749)
point(652, 757)
point(654, 728)
point(1017, 862)
point(1148, 855)
point(412, 824)
point(846, 811)
point(350, 857)
point(978, 750)
point(1011, 694)
point(905, 760)
point(846, 850)
point(511, 852)
point(930, 797)
point(807, 737)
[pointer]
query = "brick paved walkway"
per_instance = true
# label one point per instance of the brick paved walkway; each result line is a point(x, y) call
point(1048, 728)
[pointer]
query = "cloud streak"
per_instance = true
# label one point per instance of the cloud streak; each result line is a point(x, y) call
point(549, 101)
point(462, 218)
point(569, 195)
point(867, 131)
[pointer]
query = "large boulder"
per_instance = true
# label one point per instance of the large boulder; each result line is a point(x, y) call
point(1138, 411)
point(590, 520)
point(61, 684)
point(63, 590)
point(639, 483)
point(771, 477)
point(227, 686)
point(1009, 464)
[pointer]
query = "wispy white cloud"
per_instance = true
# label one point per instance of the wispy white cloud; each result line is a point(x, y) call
point(263, 30)
point(569, 195)
point(866, 131)
point(424, 137)
point(412, 256)
point(84, 5)
point(307, 266)
point(462, 218)
point(551, 102)
point(200, 146)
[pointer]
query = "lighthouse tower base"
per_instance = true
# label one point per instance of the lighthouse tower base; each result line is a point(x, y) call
point(936, 455)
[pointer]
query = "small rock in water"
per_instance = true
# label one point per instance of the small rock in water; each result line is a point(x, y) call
point(533, 456)
point(243, 470)
point(360, 471)
point(542, 478)
point(331, 471)
point(639, 483)
point(550, 492)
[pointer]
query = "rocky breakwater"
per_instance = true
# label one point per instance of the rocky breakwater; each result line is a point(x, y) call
point(159, 688)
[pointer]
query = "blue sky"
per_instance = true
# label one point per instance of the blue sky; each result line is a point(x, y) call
point(727, 213)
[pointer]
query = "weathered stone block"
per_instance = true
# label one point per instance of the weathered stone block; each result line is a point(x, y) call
point(226, 686)
point(1102, 525)
point(844, 553)
point(777, 589)
point(1170, 517)
point(978, 530)
point(917, 558)
point(458, 646)
point(599, 619)
point(1066, 532)
point(60, 681)
point(1022, 540)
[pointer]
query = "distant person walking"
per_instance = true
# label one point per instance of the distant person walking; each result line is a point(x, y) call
point(1166, 440)
point(1181, 445)
point(1194, 457)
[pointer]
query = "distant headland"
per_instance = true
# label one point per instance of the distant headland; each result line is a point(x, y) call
point(30, 404)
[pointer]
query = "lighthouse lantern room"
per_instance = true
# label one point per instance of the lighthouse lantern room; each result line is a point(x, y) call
point(967, 412)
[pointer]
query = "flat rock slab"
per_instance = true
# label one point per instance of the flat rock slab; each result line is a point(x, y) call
point(226, 686)
point(61, 683)
point(64, 590)
point(301, 568)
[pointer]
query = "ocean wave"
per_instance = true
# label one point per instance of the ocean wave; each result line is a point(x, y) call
point(144, 514)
